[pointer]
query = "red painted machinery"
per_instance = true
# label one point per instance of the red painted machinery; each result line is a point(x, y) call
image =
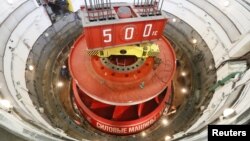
point(122, 66)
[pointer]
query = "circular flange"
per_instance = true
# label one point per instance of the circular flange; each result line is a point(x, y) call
point(105, 85)
point(126, 68)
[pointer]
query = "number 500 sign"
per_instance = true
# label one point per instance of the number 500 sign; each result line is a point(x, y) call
point(129, 33)
point(115, 34)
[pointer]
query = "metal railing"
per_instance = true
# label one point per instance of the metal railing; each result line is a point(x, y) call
point(99, 10)
point(148, 7)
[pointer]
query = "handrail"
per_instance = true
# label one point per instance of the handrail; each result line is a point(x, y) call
point(223, 81)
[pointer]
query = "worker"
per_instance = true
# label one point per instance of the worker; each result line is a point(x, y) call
point(59, 7)
point(65, 72)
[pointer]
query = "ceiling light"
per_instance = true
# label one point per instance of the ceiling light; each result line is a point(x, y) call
point(167, 138)
point(184, 90)
point(46, 34)
point(210, 67)
point(31, 67)
point(228, 112)
point(10, 1)
point(143, 134)
point(64, 66)
point(174, 20)
point(5, 104)
point(226, 3)
point(194, 41)
point(164, 122)
point(59, 84)
point(183, 73)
